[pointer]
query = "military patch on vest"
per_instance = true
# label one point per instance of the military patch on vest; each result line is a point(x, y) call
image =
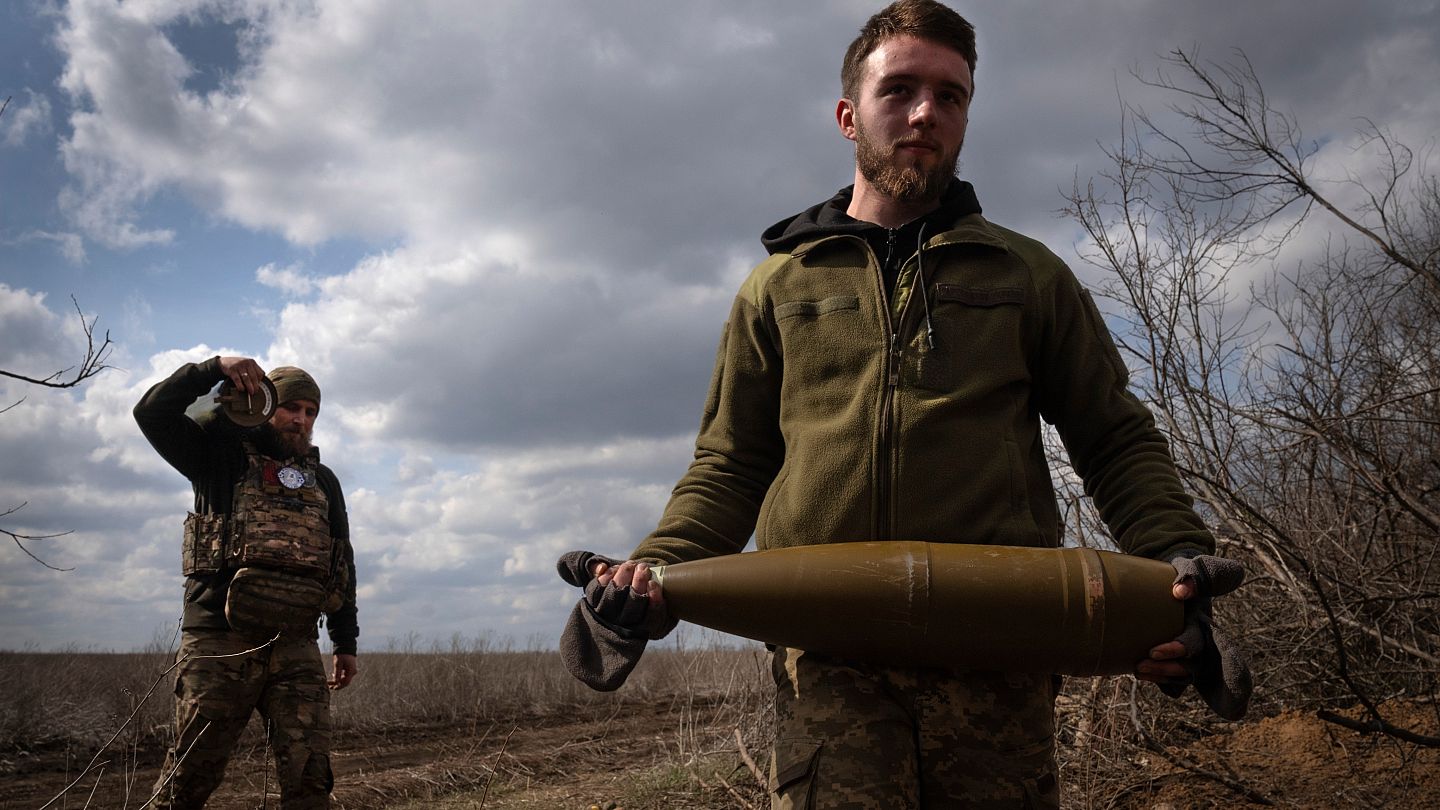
point(287, 476)
point(290, 478)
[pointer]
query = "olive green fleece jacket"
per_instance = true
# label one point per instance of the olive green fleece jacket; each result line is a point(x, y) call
point(832, 418)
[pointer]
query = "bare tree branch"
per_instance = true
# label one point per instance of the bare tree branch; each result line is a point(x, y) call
point(1377, 725)
point(1266, 157)
point(18, 537)
point(92, 364)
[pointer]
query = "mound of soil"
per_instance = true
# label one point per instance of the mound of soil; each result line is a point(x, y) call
point(1295, 759)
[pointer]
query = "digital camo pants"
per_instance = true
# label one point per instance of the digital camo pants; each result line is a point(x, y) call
point(216, 691)
point(865, 737)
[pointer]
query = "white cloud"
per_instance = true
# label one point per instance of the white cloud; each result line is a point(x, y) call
point(492, 534)
point(70, 245)
point(456, 349)
point(288, 280)
point(415, 120)
point(25, 118)
point(118, 69)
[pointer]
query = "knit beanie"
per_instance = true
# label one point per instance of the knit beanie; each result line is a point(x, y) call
point(292, 383)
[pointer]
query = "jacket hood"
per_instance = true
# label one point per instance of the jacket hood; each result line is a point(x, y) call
point(828, 218)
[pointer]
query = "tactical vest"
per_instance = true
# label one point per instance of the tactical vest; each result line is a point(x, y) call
point(277, 540)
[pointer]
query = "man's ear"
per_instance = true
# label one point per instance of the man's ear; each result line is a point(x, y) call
point(845, 118)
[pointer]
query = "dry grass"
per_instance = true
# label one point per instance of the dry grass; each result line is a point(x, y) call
point(476, 680)
point(80, 699)
point(59, 710)
point(471, 723)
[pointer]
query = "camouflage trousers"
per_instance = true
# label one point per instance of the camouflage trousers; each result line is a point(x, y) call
point(215, 697)
point(862, 737)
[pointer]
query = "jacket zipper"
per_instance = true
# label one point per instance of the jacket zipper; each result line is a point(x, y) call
point(895, 350)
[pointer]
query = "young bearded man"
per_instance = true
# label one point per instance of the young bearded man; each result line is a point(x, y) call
point(883, 376)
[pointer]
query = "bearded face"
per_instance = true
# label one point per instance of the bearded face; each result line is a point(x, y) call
point(280, 443)
point(296, 440)
point(287, 434)
point(899, 175)
point(908, 118)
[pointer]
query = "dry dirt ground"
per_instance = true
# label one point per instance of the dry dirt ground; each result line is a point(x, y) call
point(634, 760)
point(551, 760)
point(1297, 760)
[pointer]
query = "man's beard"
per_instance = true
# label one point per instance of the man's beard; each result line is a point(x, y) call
point(909, 184)
point(281, 444)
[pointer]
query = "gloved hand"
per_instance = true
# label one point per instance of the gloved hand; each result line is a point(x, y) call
point(618, 607)
point(1218, 668)
point(609, 627)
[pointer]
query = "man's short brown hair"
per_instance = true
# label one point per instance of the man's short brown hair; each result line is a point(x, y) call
point(925, 19)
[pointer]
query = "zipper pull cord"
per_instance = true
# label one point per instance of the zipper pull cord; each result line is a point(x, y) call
point(924, 294)
point(894, 374)
point(890, 234)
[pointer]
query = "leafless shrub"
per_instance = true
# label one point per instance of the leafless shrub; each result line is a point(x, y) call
point(1303, 401)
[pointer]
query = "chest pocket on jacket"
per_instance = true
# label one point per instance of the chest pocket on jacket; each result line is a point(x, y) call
point(814, 309)
point(977, 340)
point(819, 341)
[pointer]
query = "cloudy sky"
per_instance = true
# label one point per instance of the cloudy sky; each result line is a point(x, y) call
point(504, 236)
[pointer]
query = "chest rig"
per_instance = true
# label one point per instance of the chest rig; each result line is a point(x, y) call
point(277, 541)
point(281, 517)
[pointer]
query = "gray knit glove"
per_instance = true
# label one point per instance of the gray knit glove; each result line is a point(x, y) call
point(608, 628)
point(1218, 668)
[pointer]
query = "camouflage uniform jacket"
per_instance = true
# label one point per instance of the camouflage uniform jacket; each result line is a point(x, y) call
point(211, 455)
point(831, 417)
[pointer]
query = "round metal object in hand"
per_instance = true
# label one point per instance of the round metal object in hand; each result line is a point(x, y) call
point(248, 410)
